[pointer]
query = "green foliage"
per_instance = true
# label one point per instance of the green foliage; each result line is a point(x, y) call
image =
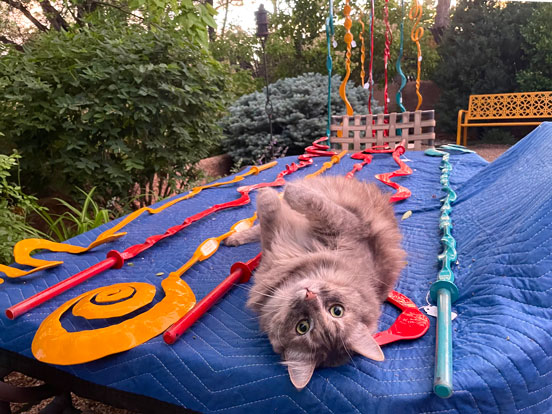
point(192, 19)
point(300, 113)
point(74, 220)
point(237, 49)
point(481, 52)
point(15, 207)
point(109, 107)
point(537, 76)
point(186, 16)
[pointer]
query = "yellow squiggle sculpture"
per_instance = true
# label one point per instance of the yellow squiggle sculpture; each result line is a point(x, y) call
point(415, 14)
point(23, 249)
point(328, 164)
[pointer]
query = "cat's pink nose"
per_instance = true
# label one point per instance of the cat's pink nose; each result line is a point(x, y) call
point(310, 295)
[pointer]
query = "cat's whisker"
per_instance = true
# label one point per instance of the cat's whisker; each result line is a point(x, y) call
point(280, 296)
point(278, 334)
point(347, 350)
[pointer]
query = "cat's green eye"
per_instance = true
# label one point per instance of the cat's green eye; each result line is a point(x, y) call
point(337, 311)
point(303, 327)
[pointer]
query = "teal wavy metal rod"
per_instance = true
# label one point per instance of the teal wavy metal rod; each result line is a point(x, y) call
point(398, 97)
point(443, 291)
point(329, 65)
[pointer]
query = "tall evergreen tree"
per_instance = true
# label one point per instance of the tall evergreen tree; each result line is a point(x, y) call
point(482, 52)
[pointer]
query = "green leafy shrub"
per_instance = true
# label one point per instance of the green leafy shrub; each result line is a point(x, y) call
point(299, 117)
point(110, 106)
point(482, 52)
point(15, 207)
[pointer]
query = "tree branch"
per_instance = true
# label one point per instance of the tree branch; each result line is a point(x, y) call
point(19, 6)
point(101, 3)
point(7, 41)
point(54, 16)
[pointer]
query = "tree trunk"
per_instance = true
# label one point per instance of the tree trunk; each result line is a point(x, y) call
point(226, 6)
point(210, 29)
point(442, 20)
point(53, 16)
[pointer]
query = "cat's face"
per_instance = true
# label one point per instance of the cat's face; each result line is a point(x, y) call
point(314, 322)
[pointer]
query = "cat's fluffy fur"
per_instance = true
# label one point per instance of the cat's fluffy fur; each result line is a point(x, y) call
point(330, 241)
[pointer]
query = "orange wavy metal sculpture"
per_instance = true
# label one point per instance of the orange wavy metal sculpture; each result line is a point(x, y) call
point(362, 48)
point(415, 14)
point(348, 40)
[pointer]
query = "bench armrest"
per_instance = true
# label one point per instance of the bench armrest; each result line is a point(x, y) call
point(461, 112)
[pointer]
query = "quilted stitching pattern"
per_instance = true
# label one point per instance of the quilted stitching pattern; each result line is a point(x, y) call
point(502, 343)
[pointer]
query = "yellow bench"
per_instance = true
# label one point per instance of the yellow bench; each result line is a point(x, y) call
point(503, 109)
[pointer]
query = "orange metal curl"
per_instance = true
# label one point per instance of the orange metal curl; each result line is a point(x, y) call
point(348, 40)
point(362, 48)
point(55, 345)
point(416, 34)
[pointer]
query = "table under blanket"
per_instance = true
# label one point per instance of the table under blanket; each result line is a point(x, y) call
point(502, 345)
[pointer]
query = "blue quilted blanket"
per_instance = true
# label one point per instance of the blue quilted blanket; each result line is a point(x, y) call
point(502, 342)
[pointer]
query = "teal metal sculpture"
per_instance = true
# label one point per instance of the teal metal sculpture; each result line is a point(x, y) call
point(443, 291)
point(398, 96)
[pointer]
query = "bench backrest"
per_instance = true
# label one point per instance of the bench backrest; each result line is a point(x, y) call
point(511, 105)
point(354, 133)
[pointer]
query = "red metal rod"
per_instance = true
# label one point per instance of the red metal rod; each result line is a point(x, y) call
point(240, 272)
point(57, 289)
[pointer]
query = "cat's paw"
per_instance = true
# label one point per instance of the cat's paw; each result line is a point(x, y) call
point(249, 235)
point(267, 201)
point(300, 198)
point(233, 240)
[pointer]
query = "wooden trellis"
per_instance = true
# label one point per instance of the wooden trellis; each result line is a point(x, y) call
point(361, 131)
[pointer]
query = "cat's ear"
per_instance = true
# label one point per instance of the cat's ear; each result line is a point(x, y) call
point(363, 343)
point(300, 370)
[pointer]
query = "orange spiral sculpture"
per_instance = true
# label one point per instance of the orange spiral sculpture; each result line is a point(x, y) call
point(416, 34)
point(55, 345)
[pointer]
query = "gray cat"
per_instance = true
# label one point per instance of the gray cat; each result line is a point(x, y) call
point(331, 255)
